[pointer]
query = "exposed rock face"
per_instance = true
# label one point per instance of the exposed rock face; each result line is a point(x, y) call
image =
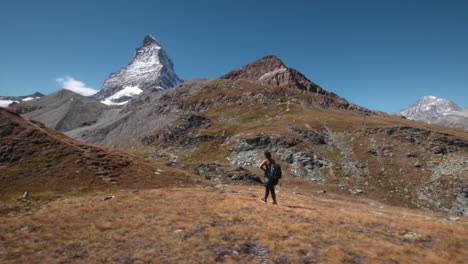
point(433, 110)
point(311, 136)
point(303, 164)
point(183, 135)
point(219, 172)
point(271, 71)
point(151, 69)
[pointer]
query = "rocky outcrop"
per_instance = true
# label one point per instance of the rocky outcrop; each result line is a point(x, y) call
point(182, 135)
point(221, 173)
point(271, 71)
point(304, 164)
point(311, 136)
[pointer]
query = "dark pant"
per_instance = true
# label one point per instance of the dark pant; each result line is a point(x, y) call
point(270, 187)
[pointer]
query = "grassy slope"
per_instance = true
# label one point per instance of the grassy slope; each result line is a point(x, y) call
point(200, 225)
point(241, 109)
point(47, 163)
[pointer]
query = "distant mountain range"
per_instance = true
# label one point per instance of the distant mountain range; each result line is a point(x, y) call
point(7, 101)
point(433, 110)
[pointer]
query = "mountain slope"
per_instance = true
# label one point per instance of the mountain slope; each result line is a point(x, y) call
point(150, 69)
point(433, 110)
point(36, 159)
point(234, 122)
point(454, 119)
point(213, 125)
point(7, 101)
point(63, 110)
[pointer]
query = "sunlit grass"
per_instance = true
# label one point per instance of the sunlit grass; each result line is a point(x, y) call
point(203, 226)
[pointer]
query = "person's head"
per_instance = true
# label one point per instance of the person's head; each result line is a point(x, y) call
point(267, 154)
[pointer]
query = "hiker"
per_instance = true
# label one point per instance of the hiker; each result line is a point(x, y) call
point(272, 175)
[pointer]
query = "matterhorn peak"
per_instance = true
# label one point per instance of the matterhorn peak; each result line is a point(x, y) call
point(150, 40)
point(151, 69)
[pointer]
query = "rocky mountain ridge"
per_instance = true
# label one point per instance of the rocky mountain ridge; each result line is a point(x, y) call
point(271, 71)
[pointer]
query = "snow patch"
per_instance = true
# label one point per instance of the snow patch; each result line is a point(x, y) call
point(6, 103)
point(28, 99)
point(128, 91)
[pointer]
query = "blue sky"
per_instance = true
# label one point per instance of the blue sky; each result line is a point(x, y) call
point(383, 55)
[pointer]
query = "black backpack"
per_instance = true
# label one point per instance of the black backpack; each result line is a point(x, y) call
point(275, 171)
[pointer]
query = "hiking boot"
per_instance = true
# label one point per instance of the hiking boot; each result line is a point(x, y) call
point(275, 203)
point(263, 200)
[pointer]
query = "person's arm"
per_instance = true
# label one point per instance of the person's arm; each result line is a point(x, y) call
point(262, 165)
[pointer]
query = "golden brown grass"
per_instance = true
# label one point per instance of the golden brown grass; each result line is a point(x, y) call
point(200, 225)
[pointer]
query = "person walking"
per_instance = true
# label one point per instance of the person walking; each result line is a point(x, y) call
point(272, 175)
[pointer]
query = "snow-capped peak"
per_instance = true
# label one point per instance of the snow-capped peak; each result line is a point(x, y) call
point(151, 69)
point(429, 108)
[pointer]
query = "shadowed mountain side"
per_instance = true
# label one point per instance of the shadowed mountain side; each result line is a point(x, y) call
point(63, 110)
point(34, 158)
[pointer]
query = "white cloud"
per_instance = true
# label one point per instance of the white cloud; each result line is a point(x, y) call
point(76, 86)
